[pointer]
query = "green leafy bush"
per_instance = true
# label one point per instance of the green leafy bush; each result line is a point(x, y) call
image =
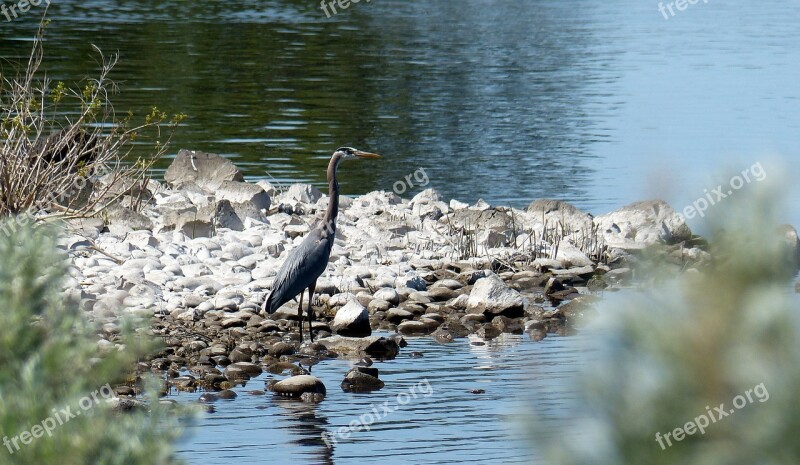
point(50, 366)
point(710, 357)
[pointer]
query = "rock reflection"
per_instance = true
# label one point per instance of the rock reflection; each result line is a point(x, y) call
point(306, 427)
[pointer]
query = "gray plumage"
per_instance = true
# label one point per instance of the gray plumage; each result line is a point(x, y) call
point(308, 261)
point(305, 264)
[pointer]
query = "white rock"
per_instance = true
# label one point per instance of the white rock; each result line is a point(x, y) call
point(242, 192)
point(196, 269)
point(305, 193)
point(412, 281)
point(235, 251)
point(491, 295)
point(267, 186)
point(427, 196)
point(560, 215)
point(481, 205)
point(571, 256)
point(388, 294)
point(352, 320)
point(142, 239)
point(641, 224)
point(295, 386)
point(547, 264)
point(459, 303)
point(341, 299)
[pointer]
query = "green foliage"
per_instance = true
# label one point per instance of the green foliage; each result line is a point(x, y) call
point(49, 360)
point(661, 357)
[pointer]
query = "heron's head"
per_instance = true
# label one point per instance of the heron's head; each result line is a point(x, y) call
point(349, 152)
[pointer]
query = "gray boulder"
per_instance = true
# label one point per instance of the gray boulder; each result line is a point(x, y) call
point(493, 227)
point(114, 185)
point(473, 220)
point(221, 215)
point(122, 220)
point(642, 224)
point(303, 193)
point(245, 195)
point(207, 170)
point(555, 212)
point(201, 221)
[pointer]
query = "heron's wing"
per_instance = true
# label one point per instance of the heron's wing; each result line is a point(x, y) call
point(303, 266)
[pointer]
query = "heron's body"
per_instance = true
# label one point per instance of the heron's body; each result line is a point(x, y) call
point(305, 262)
point(308, 261)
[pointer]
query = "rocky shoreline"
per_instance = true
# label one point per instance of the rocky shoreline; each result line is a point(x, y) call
point(198, 253)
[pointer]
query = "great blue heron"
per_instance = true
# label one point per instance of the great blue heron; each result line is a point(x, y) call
point(308, 261)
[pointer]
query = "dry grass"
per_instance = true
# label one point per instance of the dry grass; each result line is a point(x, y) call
point(57, 141)
point(466, 244)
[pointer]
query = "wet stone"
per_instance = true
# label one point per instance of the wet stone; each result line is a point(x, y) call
point(237, 355)
point(440, 294)
point(296, 386)
point(362, 379)
point(398, 315)
point(281, 348)
point(233, 373)
point(413, 328)
point(443, 335)
point(227, 394)
point(251, 369)
point(280, 368)
point(488, 331)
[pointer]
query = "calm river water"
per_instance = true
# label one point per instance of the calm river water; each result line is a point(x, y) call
point(598, 103)
point(445, 423)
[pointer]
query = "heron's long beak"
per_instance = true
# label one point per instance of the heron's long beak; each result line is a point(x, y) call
point(361, 154)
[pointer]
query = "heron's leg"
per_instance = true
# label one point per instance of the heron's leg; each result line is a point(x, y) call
point(310, 312)
point(300, 315)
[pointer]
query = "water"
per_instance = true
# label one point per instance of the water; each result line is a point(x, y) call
point(444, 423)
point(597, 103)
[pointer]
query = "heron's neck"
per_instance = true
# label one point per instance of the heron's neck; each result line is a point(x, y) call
point(333, 194)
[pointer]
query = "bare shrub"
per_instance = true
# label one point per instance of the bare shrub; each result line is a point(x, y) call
point(57, 140)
